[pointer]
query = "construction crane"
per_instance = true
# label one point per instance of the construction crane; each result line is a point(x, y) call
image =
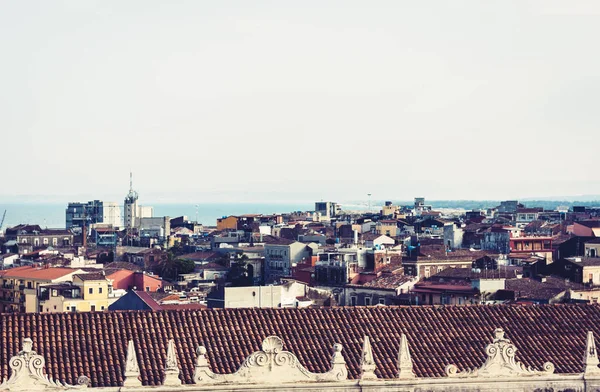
point(2, 221)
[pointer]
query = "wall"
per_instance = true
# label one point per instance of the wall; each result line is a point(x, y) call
point(253, 297)
point(364, 296)
point(592, 250)
point(496, 241)
point(453, 236)
point(227, 223)
point(592, 272)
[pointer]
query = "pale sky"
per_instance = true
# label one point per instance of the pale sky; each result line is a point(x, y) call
point(299, 100)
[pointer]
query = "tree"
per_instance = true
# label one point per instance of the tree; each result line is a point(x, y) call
point(238, 274)
point(170, 266)
point(223, 260)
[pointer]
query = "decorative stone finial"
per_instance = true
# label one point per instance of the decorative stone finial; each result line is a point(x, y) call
point(171, 370)
point(367, 363)
point(590, 357)
point(27, 372)
point(501, 361)
point(132, 370)
point(405, 363)
point(271, 365)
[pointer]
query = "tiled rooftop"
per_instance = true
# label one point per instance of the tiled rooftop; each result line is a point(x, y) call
point(29, 272)
point(94, 344)
point(389, 281)
point(91, 276)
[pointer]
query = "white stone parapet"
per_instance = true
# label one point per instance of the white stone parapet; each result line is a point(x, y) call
point(274, 369)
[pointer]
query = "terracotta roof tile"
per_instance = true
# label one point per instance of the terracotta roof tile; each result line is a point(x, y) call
point(91, 276)
point(30, 272)
point(94, 344)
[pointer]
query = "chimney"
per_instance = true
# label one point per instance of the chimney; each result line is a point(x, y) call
point(84, 234)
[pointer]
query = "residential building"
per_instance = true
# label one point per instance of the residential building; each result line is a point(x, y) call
point(587, 228)
point(104, 236)
point(35, 236)
point(125, 279)
point(592, 248)
point(541, 246)
point(496, 239)
point(150, 301)
point(19, 285)
point(433, 260)
point(96, 211)
point(379, 241)
point(420, 207)
point(453, 235)
point(87, 293)
point(384, 288)
point(509, 206)
point(524, 216)
point(387, 227)
point(579, 269)
point(289, 294)
point(154, 227)
point(327, 209)
point(280, 256)
point(7, 260)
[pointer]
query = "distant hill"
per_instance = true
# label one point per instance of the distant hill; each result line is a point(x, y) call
point(546, 203)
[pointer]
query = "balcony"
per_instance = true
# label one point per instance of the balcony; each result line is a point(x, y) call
point(9, 300)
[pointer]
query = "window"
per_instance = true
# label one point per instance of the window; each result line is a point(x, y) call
point(99, 290)
point(382, 301)
point(73, 308)
point(45, 241)
point(367, 301)
point(29, 285)
point(101, 307)
point(54, 241)
point(147, 288)
point(36, 242)
point(92, 308)
point(91, 290)
point(54, 307)
point(353, 301)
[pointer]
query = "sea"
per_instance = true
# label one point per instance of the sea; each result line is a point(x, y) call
point(52, 215)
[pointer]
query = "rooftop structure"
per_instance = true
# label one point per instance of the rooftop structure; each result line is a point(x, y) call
point(349, 349)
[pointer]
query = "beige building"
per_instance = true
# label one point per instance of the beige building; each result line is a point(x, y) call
point(281, 296)
point(87, 293)
point(592, 248)
point(18, 286)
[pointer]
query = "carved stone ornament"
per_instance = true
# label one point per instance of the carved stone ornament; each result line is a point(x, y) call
point(501, 361)
point(28, 373)
point(405, 363)
point(590, 357)
point(132, 370)
point(367, 363)
point(171, 370)
point(272, 365)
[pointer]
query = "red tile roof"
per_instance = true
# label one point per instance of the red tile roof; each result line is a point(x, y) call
point(29, 272)
point(95, 343)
